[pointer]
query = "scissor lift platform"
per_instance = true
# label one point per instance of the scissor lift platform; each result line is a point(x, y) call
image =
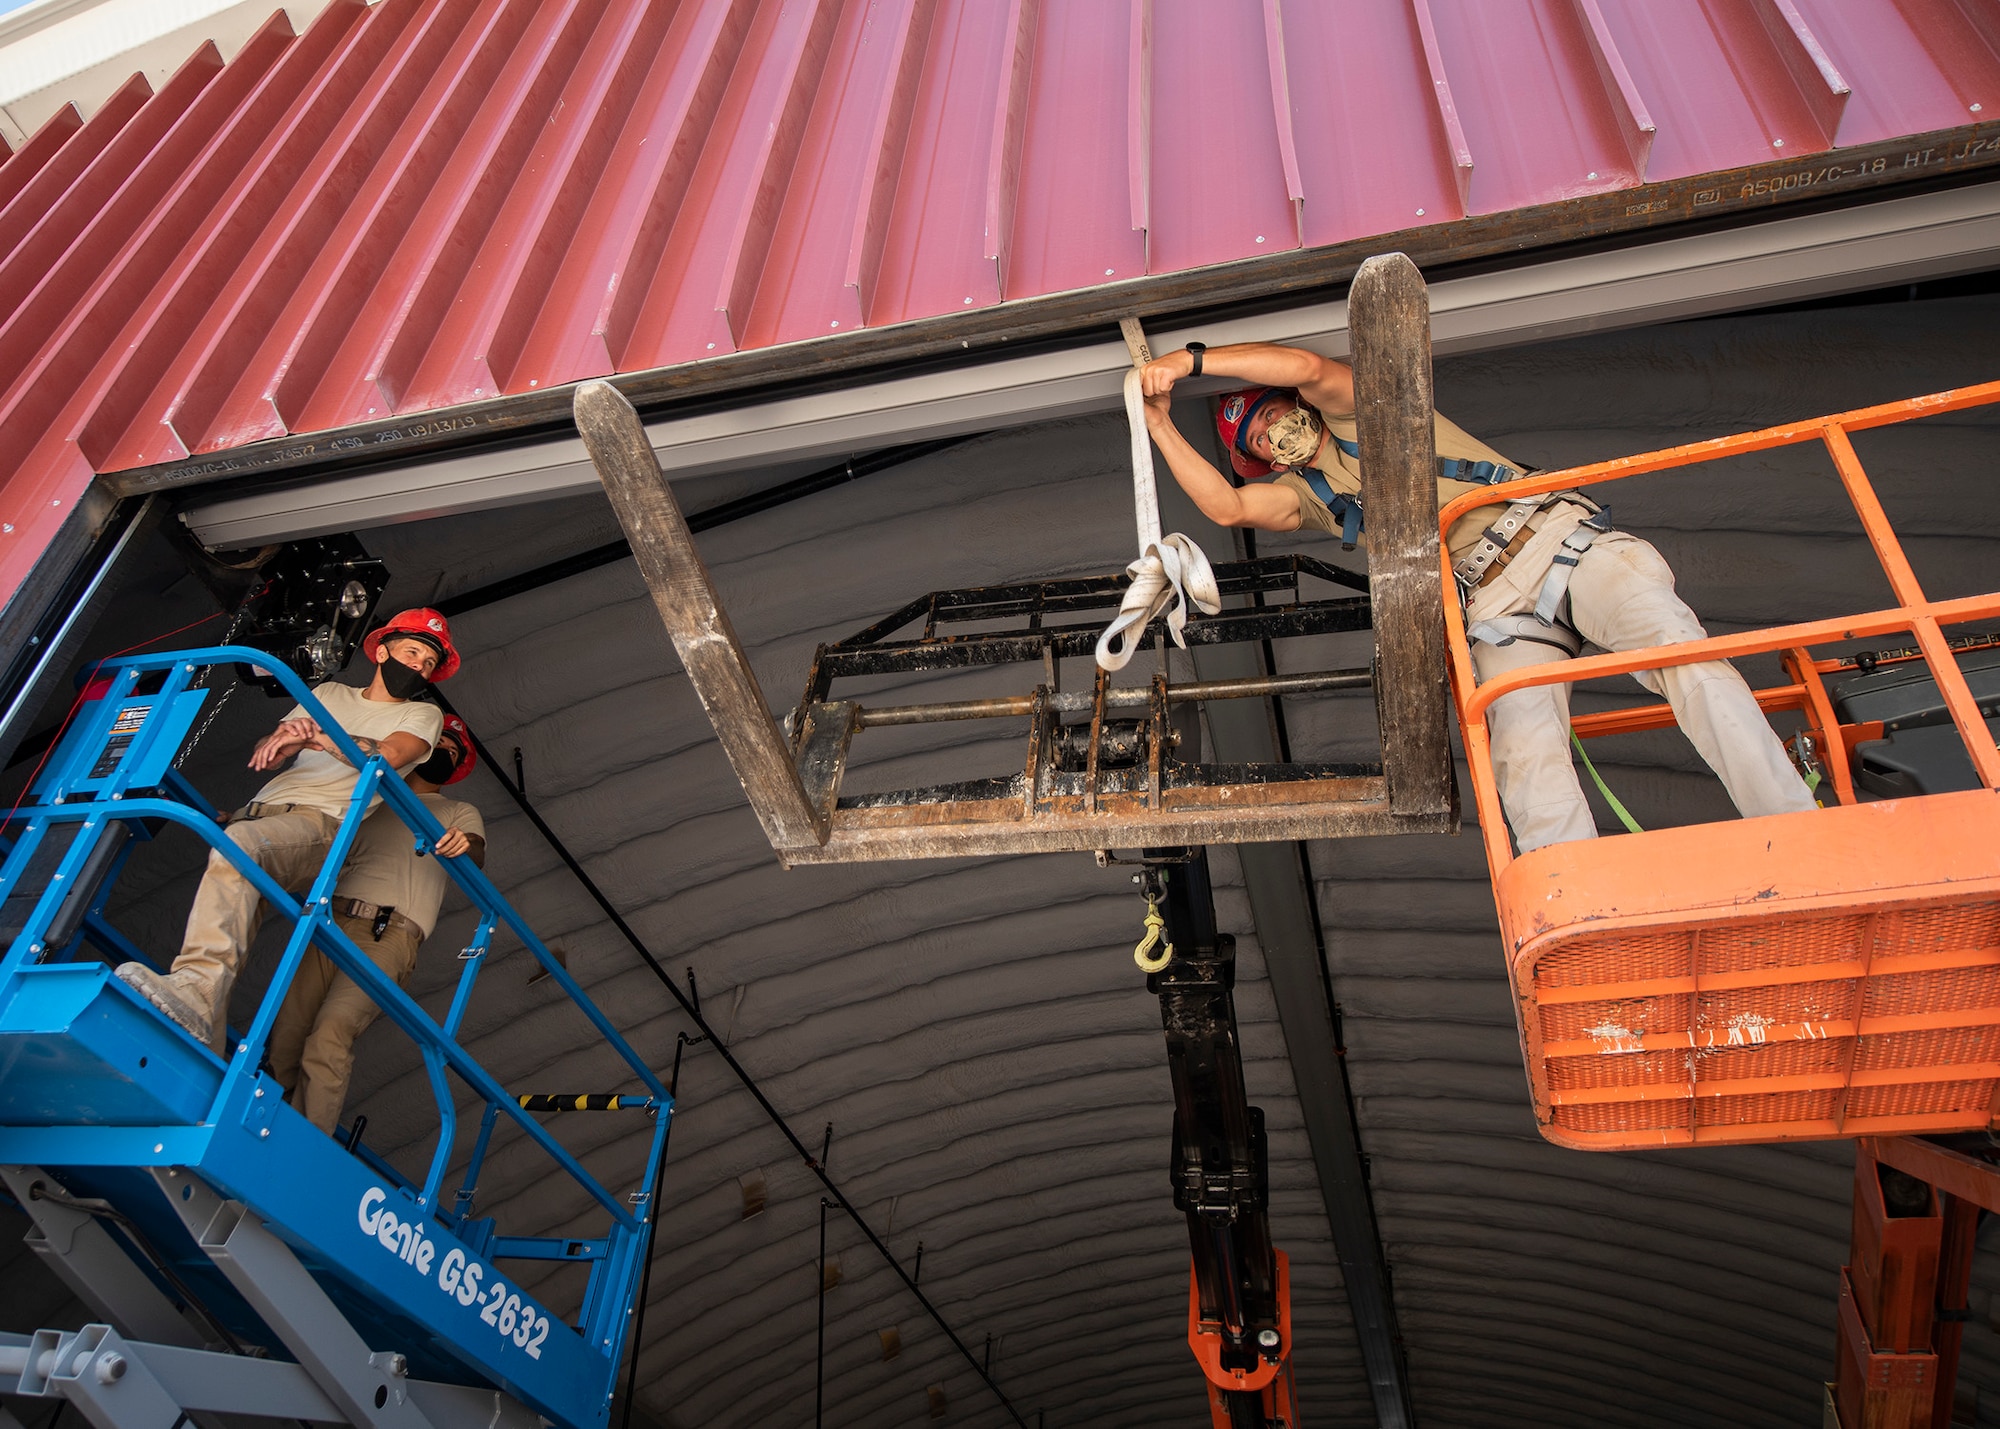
point(242, 1261)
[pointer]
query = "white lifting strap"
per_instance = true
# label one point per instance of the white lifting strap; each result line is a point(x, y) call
point(1171, 571)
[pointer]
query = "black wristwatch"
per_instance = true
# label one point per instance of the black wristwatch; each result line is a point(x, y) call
point(1195, 350)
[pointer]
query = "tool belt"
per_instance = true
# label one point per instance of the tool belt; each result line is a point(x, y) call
point(379, 919)
point(255, 810)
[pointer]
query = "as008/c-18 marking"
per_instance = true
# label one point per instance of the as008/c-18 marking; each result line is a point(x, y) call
point(458, 1276)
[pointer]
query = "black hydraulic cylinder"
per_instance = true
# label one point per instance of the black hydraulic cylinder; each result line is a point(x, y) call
point(1219, 1166)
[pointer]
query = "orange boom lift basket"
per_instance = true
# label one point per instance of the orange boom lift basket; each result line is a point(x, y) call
point(1822, 974)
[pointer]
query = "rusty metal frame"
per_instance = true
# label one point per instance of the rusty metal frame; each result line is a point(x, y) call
point(794, 779)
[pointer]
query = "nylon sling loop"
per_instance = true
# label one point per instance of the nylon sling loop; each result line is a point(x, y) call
point(1171, 571)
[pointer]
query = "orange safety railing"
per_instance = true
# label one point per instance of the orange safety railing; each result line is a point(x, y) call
point(1803, 975)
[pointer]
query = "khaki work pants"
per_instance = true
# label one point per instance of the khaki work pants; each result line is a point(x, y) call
point(228, 911)
point(1622, 598)
point(312, 1041)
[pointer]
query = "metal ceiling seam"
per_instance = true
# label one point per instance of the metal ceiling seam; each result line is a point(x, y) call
point(1281, 107)
point(436, 268)
point(1458, 151)
point(1634, 122)
point(763, 195)
point(372, 61)
point(213, 206)
point(478, 346)
point(888, 137)
point(398, 203)
point(1010, 120)
point(1820, 84)
point(50, 162)
point(42, 277)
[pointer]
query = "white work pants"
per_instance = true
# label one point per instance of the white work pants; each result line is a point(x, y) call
point(1622, 598)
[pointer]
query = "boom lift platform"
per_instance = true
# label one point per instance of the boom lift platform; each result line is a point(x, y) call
point(1818, 974)
point(237, 1260)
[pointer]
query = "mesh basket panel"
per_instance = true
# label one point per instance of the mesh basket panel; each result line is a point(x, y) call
point(1602, 1117)
point(1617, 1017)
point(1615, 957)
point(1632, 1069)
point(1909, 931)
point(1780, 943)
point(1766, 1107)
point(1920, 1098)
point(1746, 1011)
point(1774, 1059)
point(1940, 1047)
point(1913, 994)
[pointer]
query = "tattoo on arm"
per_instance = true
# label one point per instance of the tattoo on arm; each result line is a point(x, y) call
point(369, 747)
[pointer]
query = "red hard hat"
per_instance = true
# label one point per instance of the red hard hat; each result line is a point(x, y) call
point(424, 624)
point(455, 727)
point(1231, 417)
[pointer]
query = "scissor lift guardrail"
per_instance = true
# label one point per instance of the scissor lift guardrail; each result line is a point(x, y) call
point(233, 1197)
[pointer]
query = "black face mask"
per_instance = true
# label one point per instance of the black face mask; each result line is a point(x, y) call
point(439, 767)
point(401, 681)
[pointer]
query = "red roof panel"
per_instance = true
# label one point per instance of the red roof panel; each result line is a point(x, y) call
point(1215, 177)
point(1073, 206)
point(426, 203)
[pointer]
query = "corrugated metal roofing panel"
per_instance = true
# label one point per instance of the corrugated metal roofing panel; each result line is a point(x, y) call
point(425, 204)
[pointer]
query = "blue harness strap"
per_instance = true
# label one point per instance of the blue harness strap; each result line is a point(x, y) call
point(1347, 509)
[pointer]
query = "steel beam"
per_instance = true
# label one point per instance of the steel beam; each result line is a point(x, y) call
point(368, 1388)
point(208, 1382)
point(1954, 1172)
point(84, 1257)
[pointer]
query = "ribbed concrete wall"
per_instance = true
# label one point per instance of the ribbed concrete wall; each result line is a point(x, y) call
point(976, 1033)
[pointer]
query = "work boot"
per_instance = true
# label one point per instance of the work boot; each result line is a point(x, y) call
point(175, 996)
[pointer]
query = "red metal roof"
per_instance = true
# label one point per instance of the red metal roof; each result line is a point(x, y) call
point(429, 203)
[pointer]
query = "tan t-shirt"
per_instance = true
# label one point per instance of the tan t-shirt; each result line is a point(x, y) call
point(383, 867)
point(1343, 474)
point(322, 781)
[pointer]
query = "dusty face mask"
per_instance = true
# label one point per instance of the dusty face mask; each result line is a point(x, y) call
point(1294, 437)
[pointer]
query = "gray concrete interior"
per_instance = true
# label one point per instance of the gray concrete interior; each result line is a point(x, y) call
point(975, 1031)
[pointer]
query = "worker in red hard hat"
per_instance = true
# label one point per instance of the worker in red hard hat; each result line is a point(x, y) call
point(387, 901)
point(288, 829)
point(1539, 577)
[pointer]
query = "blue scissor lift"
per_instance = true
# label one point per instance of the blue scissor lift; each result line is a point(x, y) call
point(240, 1261)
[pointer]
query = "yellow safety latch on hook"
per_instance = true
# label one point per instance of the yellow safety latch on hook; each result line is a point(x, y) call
point(1156, 927)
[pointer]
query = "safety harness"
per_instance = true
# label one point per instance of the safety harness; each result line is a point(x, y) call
point(1493, 543)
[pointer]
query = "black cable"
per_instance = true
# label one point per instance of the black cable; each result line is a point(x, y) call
point(749, 1083)
point(819, 1351)
point(681, 1040)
